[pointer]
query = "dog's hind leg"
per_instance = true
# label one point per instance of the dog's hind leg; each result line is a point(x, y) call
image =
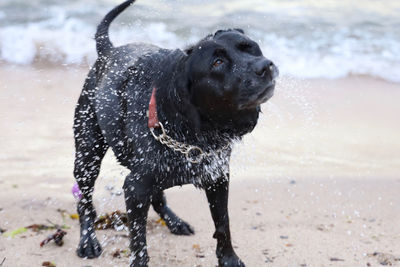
point(90, 149)
point(176, 225)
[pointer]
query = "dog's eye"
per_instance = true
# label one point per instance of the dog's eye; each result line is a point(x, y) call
point(217, 62)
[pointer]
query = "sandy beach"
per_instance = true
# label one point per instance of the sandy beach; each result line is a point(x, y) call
point(316, 184)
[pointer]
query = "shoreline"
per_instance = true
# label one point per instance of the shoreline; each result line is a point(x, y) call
point(84, 67)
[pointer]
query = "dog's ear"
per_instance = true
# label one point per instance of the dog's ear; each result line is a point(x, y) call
point(170, 70)
point(228, 30)
point(173, 91)
point(239, 30)
point(189, 50)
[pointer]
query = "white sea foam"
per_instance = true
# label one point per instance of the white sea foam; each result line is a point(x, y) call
point(304, 47)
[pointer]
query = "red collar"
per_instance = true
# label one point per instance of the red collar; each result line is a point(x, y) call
point(153, 119)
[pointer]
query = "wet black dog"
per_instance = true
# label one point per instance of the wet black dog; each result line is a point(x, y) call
point(203, 98)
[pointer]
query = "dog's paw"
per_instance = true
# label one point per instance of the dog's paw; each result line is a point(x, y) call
point(181, 228)
point(139, 261)
point(230, 261)
point(89, 247)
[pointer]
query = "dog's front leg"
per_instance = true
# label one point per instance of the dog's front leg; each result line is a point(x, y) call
point(217, 196)
point(137, 198)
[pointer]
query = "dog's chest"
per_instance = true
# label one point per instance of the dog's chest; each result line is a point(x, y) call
point(175, 169)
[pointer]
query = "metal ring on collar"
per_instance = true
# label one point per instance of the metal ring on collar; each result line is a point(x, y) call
point(196, 159)
point(162, 134)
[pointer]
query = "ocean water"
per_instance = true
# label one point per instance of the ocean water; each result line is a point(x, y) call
point(305, 38)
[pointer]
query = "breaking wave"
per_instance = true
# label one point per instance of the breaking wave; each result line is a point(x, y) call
point(304, 44)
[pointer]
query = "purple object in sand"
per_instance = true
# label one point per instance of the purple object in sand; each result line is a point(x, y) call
point(76, 192)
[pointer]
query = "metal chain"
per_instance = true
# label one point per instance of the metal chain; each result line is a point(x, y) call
point(183, 148)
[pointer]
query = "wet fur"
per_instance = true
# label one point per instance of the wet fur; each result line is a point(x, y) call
point(111, 113)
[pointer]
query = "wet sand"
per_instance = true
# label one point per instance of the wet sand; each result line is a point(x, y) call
point(316, 184)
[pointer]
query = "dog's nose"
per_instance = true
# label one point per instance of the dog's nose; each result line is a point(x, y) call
point(266, 67)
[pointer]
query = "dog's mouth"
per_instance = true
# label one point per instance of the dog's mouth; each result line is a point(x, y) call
point(260, 97)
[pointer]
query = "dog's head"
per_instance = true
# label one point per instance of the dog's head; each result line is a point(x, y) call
point(228, 72)
point(225, 77)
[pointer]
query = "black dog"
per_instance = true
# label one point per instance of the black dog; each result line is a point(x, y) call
point(202, 99)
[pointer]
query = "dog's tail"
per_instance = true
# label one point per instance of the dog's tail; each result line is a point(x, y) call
point(103, 43)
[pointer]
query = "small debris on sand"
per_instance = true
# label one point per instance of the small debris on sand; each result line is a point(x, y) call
point(269, 260)
point(385, 258)
point(57, 237)
point(324, 228)
point(112, 220)
point(15, 232)
point(198, 251)
point(48, 264)
point(74, 216)
point(196, 247)
point(120, 252)
point(40, 227)
point(265, 251)
point(162, 222)
point(336, 259)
